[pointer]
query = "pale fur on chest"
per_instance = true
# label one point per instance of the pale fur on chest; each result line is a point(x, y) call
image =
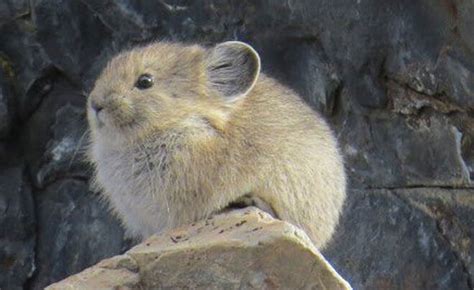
point(160, 183)
point(136, 182)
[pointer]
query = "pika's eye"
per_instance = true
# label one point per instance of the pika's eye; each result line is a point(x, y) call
point(145, 81)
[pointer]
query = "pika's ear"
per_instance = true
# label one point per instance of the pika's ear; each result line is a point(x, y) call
point(232, 69)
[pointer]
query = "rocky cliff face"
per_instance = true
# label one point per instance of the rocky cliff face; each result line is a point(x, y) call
point(394, 78)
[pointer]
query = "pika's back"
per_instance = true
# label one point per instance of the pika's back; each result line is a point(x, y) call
point(181, 132)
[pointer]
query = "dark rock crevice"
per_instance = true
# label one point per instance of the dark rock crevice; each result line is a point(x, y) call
point(402, 94)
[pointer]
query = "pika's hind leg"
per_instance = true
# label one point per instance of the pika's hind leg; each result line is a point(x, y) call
point(250, 200)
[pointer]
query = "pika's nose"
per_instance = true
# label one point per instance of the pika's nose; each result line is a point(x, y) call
point(96, 107)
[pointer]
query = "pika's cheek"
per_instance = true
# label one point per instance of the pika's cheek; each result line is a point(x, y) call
point(144, 116)
point(150, 107)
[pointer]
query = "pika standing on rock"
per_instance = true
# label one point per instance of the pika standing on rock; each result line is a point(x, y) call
point(181, 132)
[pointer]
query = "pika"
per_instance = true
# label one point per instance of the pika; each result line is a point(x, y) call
point(180, 132)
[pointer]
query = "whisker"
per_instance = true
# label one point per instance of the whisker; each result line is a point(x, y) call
point(76, 150)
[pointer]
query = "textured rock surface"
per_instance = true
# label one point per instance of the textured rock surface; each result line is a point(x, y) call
point(406, 239)
point(17, 229)
point(5, 105)
point(394, 78)
point(242, 249)
point(70, 217)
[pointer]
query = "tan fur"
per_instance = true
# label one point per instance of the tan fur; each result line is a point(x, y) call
point(180, 151)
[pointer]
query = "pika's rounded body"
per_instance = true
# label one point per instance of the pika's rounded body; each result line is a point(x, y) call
point(179, 133)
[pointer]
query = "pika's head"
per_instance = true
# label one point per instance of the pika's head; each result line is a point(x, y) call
point(166, 86)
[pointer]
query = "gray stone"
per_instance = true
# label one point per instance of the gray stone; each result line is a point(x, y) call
point(71, 35)
point(65, 152)
point(302, 65)
point(127, 21)
point(184, 20)
point(4, 154)
point(28, 64)
point(17, 229)
point(435, 63)
point(6, 110)
point(11, 9)
point(452, 210)
point(71, 217)
point(391, 150)
point(4, 114)
point(462, 12)
point(387, 242)
point(53, 135)
point(466, 138)
point(457, 72)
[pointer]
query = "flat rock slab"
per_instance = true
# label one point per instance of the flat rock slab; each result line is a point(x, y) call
point(241, 249)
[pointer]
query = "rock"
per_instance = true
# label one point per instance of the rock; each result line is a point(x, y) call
point(462, 11)
point(407, 101)
point(54, 135)
point(11, 9)
point(112, 273)
point(436, 64)
point(124, 21)
point(466, 138)
point(390, 150)
point(6, 110)
point(242, 249)
point(457, 74)
point(452, 210)
point(4, 154)
point(303, 65)
point(406, 239)
point(201, 21)
point(17, 229)
point(64, 31)
point(65, 153)
point(27, 62)
point(71, 217)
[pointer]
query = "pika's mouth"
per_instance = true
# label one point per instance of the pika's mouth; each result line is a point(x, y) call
point(97, 112)
point(99, 118)
point(111, 119)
